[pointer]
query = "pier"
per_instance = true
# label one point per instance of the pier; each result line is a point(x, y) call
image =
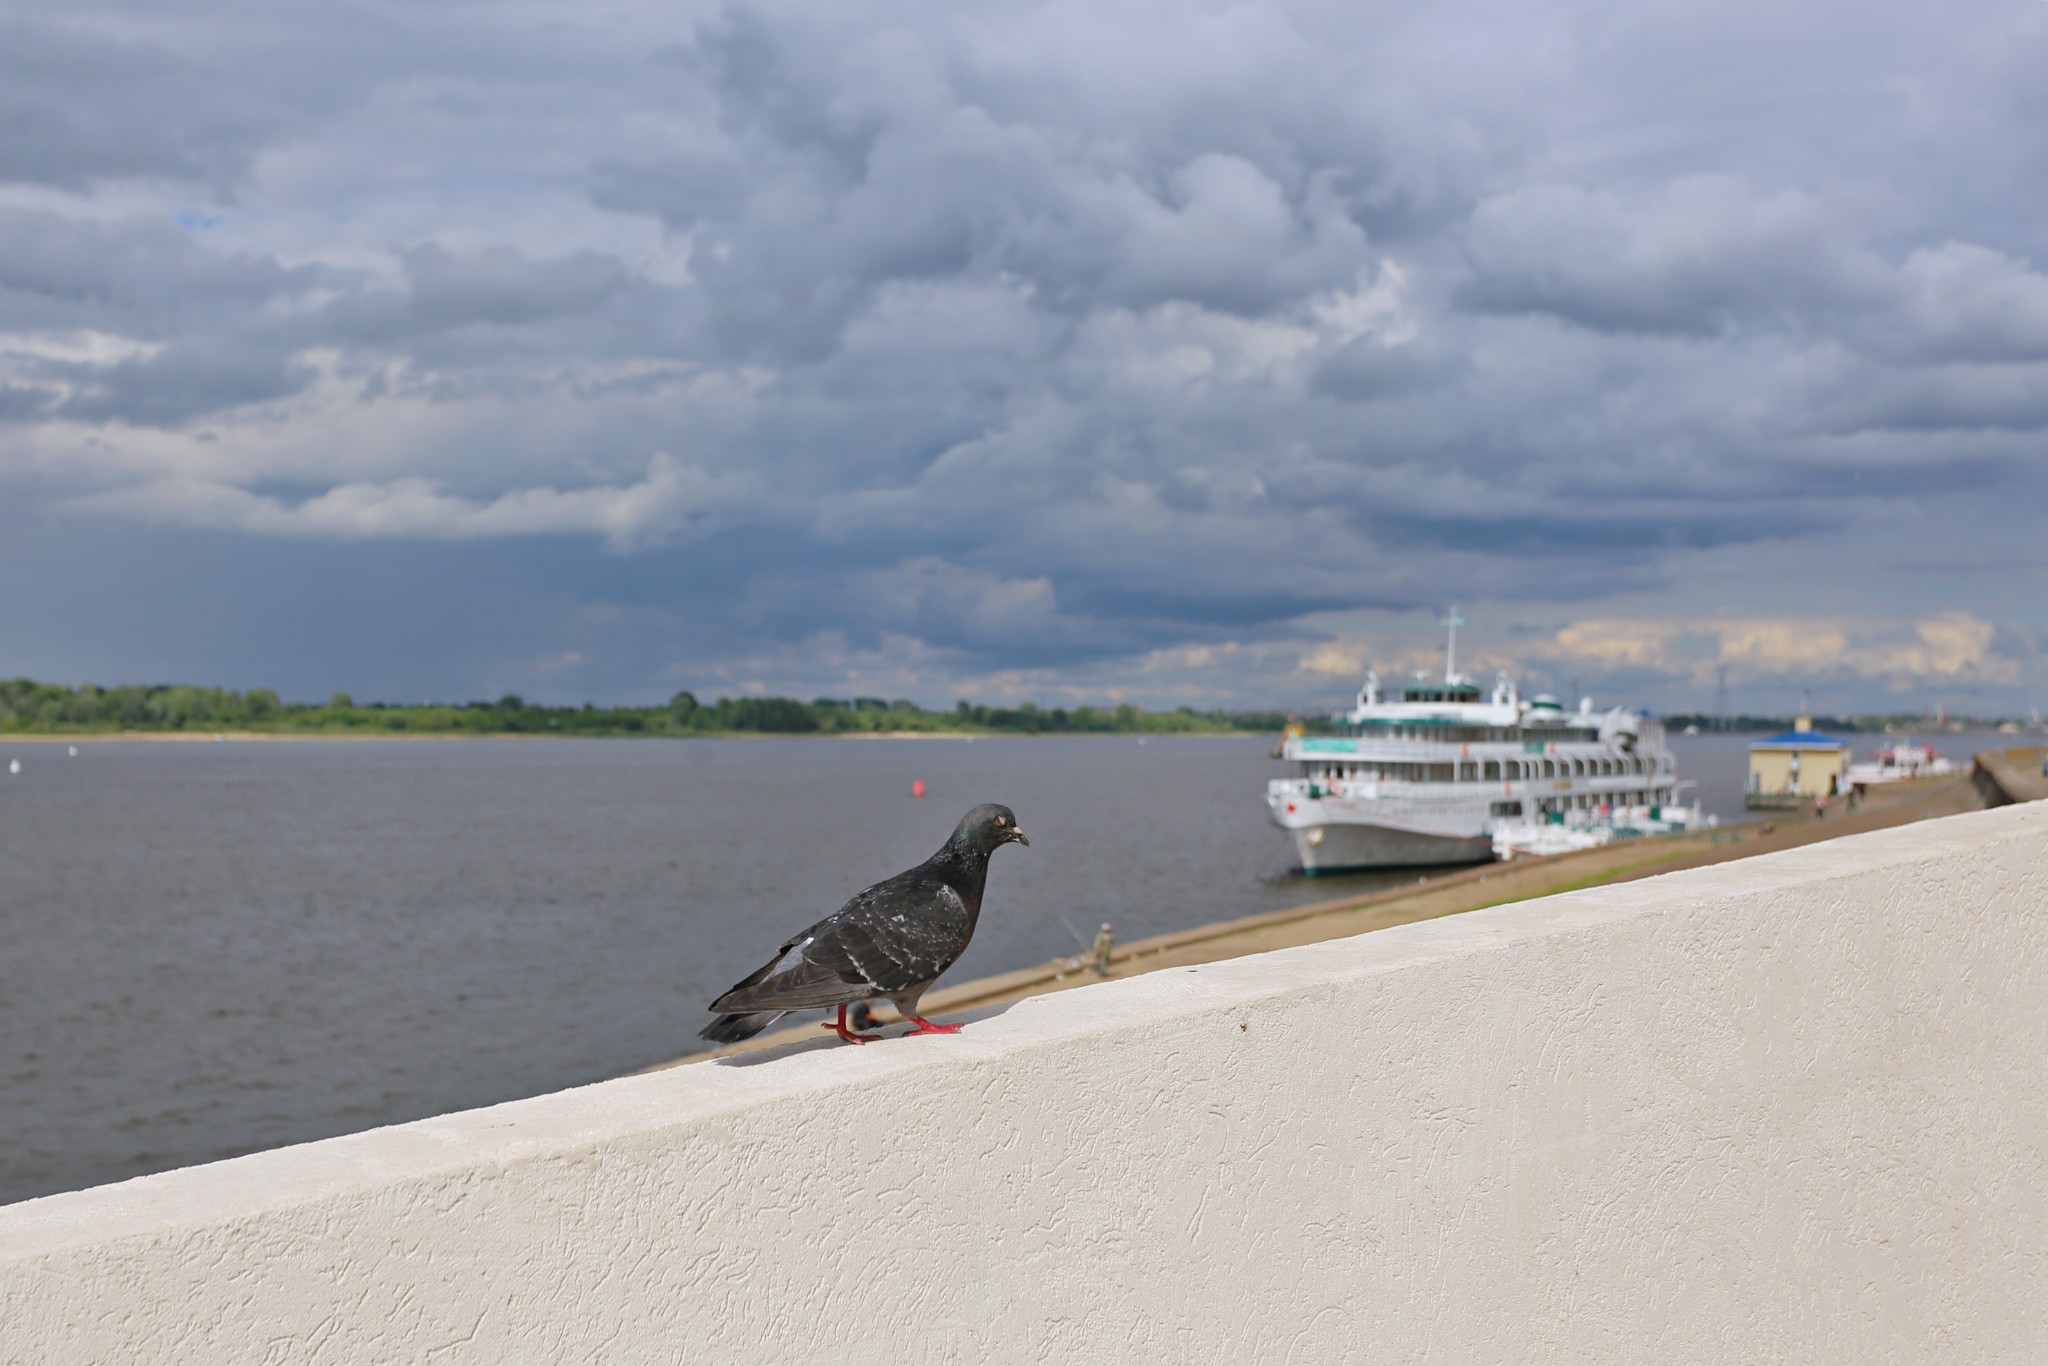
point(2004, 776)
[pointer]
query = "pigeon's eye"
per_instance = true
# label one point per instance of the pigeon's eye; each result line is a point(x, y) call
point(999, 820)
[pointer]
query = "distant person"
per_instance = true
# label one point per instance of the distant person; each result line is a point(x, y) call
point(861, 1016)
point(1105, 940)
point(1820, 806)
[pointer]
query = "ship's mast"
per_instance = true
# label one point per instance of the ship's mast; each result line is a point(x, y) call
point(1454, 621)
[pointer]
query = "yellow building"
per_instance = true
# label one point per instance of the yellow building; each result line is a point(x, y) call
point(1795, 767)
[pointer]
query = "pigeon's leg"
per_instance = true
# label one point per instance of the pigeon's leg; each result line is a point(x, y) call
point(906, 1006)
point(838, 1026)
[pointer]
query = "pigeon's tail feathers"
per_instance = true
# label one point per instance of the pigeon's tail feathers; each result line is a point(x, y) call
point(733, 1028)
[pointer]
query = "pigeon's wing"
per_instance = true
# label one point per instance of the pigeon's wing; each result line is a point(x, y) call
point(894, 935)
point(911, 931)
point(792, 980)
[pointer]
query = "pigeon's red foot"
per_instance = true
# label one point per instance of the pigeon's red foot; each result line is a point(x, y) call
point(925, 1026)
point(838, 1027)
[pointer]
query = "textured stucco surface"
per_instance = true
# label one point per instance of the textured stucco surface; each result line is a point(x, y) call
point(1789, 1109)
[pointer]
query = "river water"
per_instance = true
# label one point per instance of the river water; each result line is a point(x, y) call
point(208, 949)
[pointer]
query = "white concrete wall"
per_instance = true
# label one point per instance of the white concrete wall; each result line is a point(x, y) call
point(1788, 1109)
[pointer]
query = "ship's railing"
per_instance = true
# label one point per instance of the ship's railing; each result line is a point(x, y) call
point(1580, 785)
point(1313, 788)
point(1411, 751)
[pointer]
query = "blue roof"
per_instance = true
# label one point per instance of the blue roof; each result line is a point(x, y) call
point(1801, 739)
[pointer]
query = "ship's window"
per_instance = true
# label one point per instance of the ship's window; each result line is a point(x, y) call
point(1490, 770)
point(1507, 808)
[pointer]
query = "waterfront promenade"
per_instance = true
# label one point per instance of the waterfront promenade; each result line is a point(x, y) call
point(1785, 1107)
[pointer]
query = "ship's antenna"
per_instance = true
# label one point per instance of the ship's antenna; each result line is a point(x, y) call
point(1454, 621)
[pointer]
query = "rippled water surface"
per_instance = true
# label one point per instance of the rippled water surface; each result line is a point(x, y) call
point(207, 949)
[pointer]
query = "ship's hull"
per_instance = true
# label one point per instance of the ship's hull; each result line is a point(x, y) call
point(1345, 847)
point(1426, 825)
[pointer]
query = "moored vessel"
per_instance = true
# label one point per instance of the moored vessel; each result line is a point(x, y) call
point(1426, 774)
point(1898, 762)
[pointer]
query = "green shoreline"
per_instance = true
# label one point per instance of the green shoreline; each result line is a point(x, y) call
point(29, 708)
point(32, 710)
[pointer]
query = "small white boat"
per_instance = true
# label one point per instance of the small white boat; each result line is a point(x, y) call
point(1569, 831)
point(1895, 763)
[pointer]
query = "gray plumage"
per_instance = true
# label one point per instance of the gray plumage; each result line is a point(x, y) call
point(892, 940)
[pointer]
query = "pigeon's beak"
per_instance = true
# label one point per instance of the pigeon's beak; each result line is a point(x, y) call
point(1017, 836)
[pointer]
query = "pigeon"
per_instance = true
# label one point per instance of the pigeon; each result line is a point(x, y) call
point(893, 940)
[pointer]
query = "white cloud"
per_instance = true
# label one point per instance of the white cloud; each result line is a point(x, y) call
point(672, 500)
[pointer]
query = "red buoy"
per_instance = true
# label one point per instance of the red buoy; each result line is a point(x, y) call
point(917, 787)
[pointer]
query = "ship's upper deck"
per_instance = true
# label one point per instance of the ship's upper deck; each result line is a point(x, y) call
point(1430, 719)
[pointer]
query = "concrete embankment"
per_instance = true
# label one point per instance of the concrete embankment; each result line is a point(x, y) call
point(1790, 1108)
point(1492, 884)
point(2004, 776)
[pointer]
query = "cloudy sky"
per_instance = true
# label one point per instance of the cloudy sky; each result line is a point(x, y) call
point(1173, 352)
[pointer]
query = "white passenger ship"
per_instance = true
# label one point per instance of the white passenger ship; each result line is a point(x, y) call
point(1433, 775)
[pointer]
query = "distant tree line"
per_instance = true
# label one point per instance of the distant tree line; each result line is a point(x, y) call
point(27, 706)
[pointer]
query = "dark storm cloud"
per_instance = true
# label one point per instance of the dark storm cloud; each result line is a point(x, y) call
point(133, 277)
point(78, 108)
point(1367, 369)
point(184, 380)
point(1704, 256)
point(497, 286)
point(1989, 398)
point(786, 341)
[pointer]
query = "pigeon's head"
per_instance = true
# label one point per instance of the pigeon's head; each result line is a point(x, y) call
point(986, 828)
